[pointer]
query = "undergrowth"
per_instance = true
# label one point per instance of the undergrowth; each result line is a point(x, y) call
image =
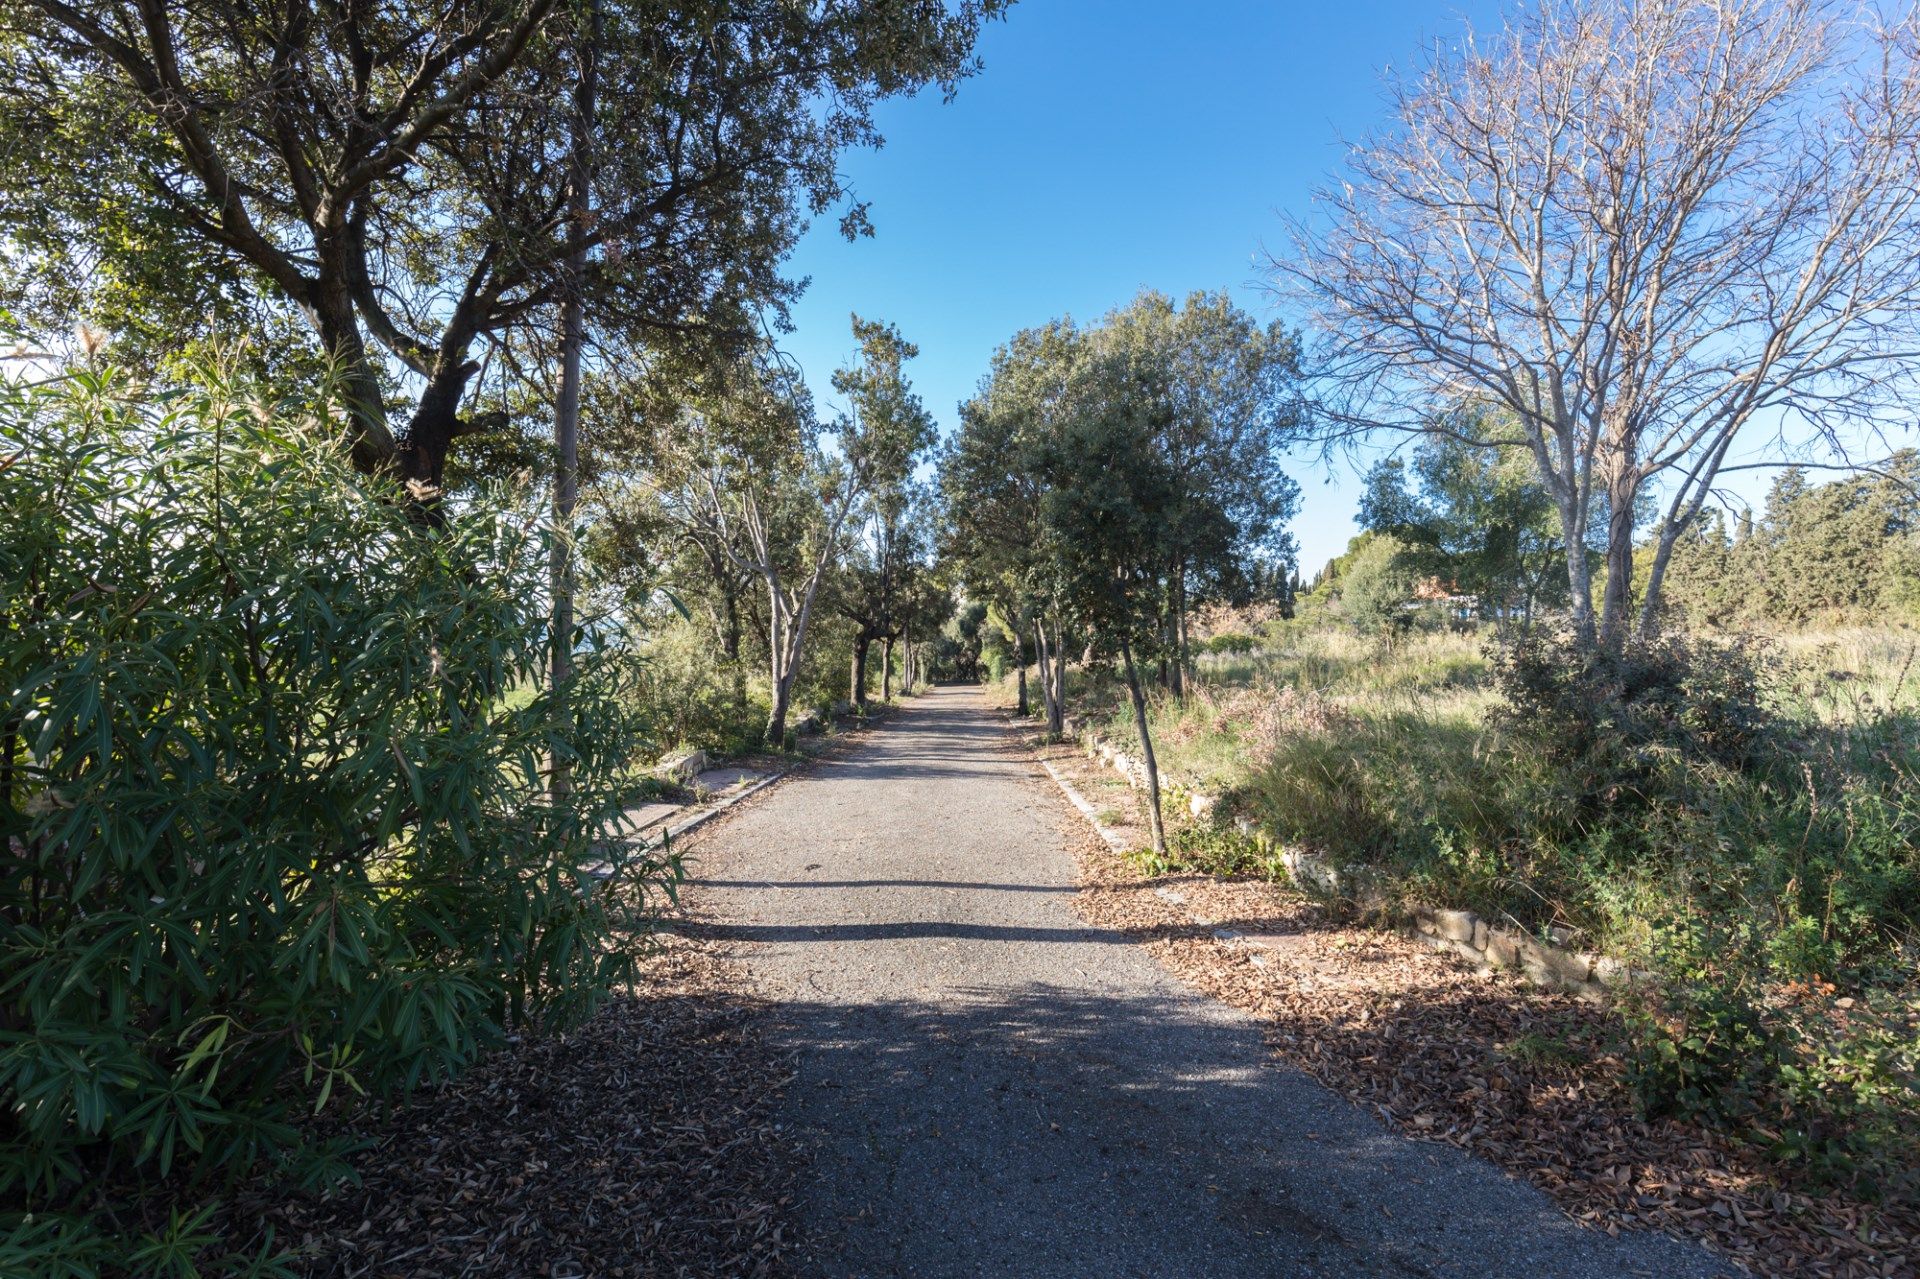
point(1739, 820)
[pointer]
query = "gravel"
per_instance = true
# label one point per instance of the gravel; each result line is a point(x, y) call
point(987, 1084)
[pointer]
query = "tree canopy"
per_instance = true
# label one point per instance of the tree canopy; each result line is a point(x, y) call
point(1642, 230)
point(394, 179)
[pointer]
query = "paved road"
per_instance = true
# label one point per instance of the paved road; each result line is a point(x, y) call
point(991, 1087)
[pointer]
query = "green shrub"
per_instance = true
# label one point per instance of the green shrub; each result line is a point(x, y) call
point(1667, 801)
point(1613, 712)
point(1208, 848)
point(696, 703)
point(1701, 1045)
point(1230, 642)
point(1377, 588)
point(276, 823)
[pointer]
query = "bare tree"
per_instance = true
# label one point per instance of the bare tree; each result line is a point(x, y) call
point(742, 473)
point(1649, 229)
point(739, 465)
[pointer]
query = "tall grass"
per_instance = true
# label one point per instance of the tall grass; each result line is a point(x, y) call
point(1748, 832)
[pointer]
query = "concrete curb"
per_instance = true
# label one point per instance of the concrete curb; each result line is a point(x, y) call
point(701, 818)
point(1079, 801)
point(674, 830)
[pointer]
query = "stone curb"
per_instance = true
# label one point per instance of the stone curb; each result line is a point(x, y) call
point(1079, 801)
point(1456, 932)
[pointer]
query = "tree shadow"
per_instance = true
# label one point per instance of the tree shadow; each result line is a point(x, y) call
point(1049, 1130)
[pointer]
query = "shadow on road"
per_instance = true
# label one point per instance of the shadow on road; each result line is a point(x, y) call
point(1047, 1131)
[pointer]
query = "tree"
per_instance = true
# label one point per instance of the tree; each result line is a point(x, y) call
point(924, 603)
point(993, 491)
point(395, 175)
point(742, 468)
point(1644, 231)
point(876, 588)
point(895, 430)
point(1845, 549)
point(1377, 587)
point(961, 639)
point(561, 577)
point(1476, 518)
point(1221, 395)
point(1110, 496)
point(1103, 480)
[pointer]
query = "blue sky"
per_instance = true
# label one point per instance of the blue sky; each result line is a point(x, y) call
point(1104, 148)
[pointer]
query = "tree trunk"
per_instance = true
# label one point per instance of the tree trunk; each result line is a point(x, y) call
point(1180, 634)
point(1020, 660)
point(1146, 749)
point(886, 669)
point(857, 693)
point(560, 566)
point(777, 712)
point(1623, 486)
point(372, 445)
point(430, 434)
point(778, 669)
point(1057, 715)
point(1040, 655)
point(566, 425)
point(1049, 688)
point(1573, 507)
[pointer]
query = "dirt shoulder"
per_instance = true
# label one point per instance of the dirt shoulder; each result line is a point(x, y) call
point(641, 1143)
point(1525, 1078)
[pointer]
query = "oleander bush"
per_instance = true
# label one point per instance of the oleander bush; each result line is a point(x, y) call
point(278, 833)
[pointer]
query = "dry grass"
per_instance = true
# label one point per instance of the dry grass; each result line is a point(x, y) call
point(1528, 1079)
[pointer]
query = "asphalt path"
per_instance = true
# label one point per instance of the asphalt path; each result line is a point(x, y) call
point(989, 1086)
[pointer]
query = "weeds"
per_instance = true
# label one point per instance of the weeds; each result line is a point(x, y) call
point(1739, 820)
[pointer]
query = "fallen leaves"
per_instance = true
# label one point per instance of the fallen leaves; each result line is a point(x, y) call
point(1520, 1076)
point(642, 1143)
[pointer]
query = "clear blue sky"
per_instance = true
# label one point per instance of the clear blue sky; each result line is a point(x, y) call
point(1106, 146)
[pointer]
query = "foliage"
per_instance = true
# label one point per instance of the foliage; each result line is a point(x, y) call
point(729, 465)
point(1154, 436)
point(1208, 848)
point(962, 639)
point(276, 814)
point(1835, 552)
point(389, 177)
point(1230, 642)
point(1377, 588)
point(1218, 393)
point(1475, 518)
point(689, 696)
point(1740, 823)
point(884, 587)
point(1616, 717)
